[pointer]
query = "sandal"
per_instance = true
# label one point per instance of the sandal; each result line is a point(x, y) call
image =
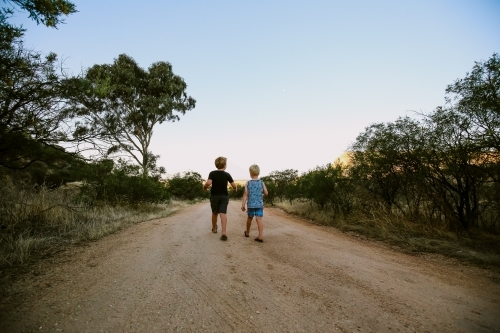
point(223, 237)
point(245, 232)
point(214, 230)
point(259, 240)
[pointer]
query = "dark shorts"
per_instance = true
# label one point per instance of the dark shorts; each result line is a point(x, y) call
point(258, 212)
point(219, 203)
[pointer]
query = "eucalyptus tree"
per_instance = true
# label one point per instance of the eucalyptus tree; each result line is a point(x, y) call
point(31, 108)
point(31, 103)
point(47, 12)
point(121, 103)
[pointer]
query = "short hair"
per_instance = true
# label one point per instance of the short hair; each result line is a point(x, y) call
point(220, 162)
point(254, 170)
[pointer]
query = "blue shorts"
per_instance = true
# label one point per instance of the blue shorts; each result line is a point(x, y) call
point(259, 212)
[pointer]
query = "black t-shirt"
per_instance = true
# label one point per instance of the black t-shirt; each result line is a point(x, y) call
point(220, 178)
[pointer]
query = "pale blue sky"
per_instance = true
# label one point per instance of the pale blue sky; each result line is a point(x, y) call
point(284, 84)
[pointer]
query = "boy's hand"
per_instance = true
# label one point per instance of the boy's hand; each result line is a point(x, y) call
point(243, 208)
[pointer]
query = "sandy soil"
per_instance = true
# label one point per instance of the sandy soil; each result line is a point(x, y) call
point(174, 275)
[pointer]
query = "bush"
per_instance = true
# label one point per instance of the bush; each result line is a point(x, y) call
point(121, 183)
point(240, 190)
point(37, 220)
point(188, 186)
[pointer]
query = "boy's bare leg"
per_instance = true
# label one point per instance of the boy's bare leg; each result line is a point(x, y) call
point(260, 225)
point(214, 221)
point(223, 221)
point(249, 224)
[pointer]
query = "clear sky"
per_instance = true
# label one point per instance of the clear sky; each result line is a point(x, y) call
point(284, 84)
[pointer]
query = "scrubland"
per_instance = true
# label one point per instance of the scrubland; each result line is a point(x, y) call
point(39, 221)
point(474, 246)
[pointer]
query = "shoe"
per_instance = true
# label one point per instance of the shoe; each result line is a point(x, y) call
point(245, 232)
point(214, 230)
point(259, 240)
point(223, 237)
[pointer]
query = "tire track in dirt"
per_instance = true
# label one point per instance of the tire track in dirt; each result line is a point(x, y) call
point(174, 275)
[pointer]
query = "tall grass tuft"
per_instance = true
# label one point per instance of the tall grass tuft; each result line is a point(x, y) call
point(35, 221)
point(475, 246)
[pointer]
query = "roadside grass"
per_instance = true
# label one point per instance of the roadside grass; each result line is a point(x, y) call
point(473, 247)
point(37, 222)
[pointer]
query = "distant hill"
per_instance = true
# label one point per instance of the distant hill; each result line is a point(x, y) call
point(345, 158)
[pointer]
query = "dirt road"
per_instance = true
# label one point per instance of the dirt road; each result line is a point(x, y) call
point(174, 275)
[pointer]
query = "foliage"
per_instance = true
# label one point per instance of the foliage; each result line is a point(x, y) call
point(328, 186)
point(186, 186)
point(240, 190)
point(440, 169)
point(477, 101)
point(121, 103)
point(35, 221)
point(280, 184)
point(31, 117)
point(444, 167)
point(121, 183)
point(31, 103)
point(47, 12)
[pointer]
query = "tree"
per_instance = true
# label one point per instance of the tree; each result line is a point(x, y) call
point(121, 103)
point(448, 164)
point(30, 107)
point(328, 186)
point(281, 184)
point(465, 141)
point(187, 186)
point(120, 183)
point(453, 183)
point(48, 12)
point(31, 102)
point(386, 161)
point(477, 98)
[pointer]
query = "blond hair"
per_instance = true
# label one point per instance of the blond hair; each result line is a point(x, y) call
point(220, 162)
point(254, 170)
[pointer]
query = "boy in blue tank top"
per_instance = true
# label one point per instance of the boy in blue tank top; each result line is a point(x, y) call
point(255, 189)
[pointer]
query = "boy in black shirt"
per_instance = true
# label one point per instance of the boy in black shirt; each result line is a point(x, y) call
point(219, 197)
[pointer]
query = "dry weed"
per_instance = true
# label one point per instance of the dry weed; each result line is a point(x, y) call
point(413, 236)
point(34, 222)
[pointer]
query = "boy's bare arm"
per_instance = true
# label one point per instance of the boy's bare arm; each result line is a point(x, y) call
point(264, 189)
point(244, 200)
point(207, 184)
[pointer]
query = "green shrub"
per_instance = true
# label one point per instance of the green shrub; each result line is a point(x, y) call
point(120, 182)
point(240, 190)
point(186, 186)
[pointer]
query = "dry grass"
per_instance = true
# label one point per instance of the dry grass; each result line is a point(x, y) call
point(473, 247)
point(37, 222)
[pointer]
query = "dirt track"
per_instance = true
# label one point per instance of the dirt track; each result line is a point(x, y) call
point(174, 275)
